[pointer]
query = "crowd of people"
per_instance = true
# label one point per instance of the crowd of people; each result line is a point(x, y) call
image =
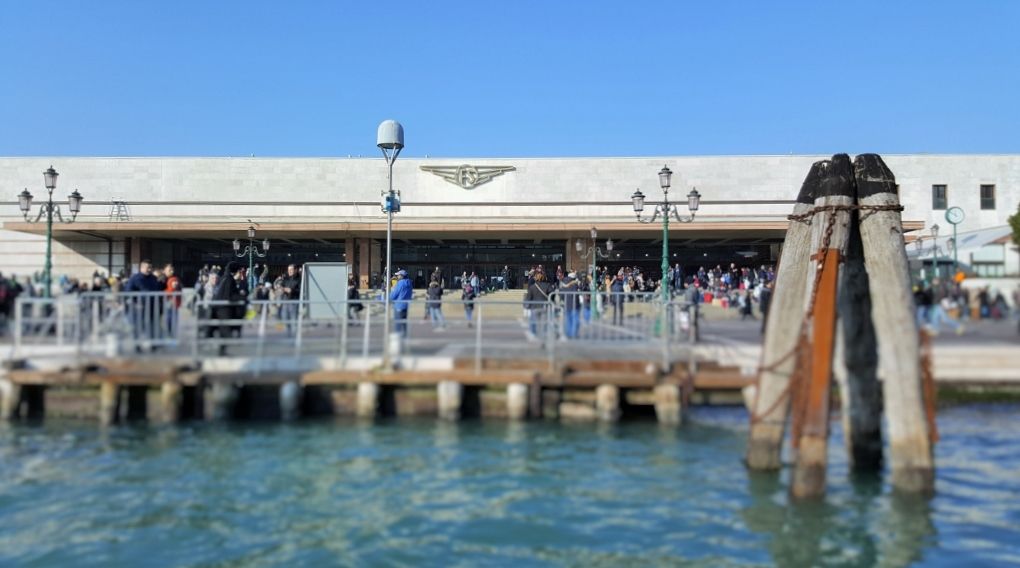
point(224, 293)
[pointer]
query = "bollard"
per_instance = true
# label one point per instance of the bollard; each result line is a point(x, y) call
point(667, 404)
point(171, 394)
point(396, 346)
point(109, 403)
point(10, 399)
point(290, 400)
point(607, 403)
point(517, 401)
point(451, 394)
point(368, 400)
point(221, 403)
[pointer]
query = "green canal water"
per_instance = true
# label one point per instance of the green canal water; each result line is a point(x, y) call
point(486, 493)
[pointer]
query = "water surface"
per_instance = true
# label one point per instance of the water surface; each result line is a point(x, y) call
point(426, 493)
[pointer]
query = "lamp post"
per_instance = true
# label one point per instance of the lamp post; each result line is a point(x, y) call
point(935, 249)
point(955, 216)
point(595, 253)
point(389, 139)
point(251, 250)
point(665, 209)
point(49, 209)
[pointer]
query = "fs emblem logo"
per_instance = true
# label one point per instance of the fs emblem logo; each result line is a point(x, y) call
point(468, 177)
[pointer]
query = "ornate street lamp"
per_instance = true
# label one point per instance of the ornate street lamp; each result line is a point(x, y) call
point(666, 209)
point(595, 253)
point(389, 139)
point(935, 248)
point(49, 209)
point(251, 250)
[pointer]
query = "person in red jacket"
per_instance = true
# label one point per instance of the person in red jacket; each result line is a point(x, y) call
point(173, 301)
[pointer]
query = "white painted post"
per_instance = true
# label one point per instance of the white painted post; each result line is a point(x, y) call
point(368, 400)
point(451, 394)
point(290, 400)
point(517, 401)
point(607, 403)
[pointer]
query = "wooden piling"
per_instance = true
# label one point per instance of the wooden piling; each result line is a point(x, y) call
point(109, 403)
point(451, 396)
point(517, 401)
point(368, 400)
point(10, 399)
point(668, 408)
point(860, 390)
point(830, 232)
point(171, 396)
point(607, 403)
point(910, 444)
point(782, 332)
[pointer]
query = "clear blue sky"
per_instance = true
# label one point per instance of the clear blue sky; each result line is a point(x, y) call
point(513, 78)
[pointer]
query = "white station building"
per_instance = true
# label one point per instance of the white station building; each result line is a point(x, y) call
point(464, 214)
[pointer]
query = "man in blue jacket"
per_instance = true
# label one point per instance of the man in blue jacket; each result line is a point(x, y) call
point(400, 296)
point(144, 310)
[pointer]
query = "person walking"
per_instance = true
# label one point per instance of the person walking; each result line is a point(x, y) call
point(616, 298)
point(763, 303)
point(571, 304)
point(538, 305)
point(434, 305)
point(173, 300)
point(400, 296)
point(289, 294)
point(468, 294)
point(228, 306)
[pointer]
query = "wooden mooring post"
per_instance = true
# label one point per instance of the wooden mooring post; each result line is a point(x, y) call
point(782, 333)
point(899, 362)
point(830, 231)
point(858, 270)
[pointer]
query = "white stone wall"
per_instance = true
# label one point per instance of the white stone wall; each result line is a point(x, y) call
point(216, 190)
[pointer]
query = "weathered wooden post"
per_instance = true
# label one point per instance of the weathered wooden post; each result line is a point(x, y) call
point(782, 333)
point(830, 231)
point(368, 400)
point(607, 403)
point(10, 395)
point(517, 401)
point(885, 258)
point(171, 396)
point(860, 390)
point(451, 395)
point(109, 403)
point(668, 405)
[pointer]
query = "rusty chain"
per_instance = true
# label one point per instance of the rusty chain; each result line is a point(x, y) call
point(803, 342)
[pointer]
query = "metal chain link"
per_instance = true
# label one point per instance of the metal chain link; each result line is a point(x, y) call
point(803, 342)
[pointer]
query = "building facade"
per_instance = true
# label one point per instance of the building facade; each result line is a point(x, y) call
point(464, 214)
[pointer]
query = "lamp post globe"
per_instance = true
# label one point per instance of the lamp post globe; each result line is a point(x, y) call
point(638, 199)
point(50, 178)
point(25, 201)
point(390, 140)
point(665, 175)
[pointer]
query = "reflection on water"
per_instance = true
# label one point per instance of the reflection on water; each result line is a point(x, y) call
point(427, 492)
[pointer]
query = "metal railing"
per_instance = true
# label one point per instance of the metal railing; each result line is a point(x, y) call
point(161, 324)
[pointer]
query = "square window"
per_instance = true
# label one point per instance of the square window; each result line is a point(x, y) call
point(988, 197)
point(938, 197)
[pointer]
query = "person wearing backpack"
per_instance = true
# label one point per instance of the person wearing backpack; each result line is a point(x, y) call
point(537, 302)
point(468, 295)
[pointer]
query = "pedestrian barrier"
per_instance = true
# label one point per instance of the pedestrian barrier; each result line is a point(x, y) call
point(157, 324)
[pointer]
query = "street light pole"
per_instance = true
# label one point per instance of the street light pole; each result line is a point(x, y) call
point(935, 249)
point(595, 252)
point(49, 209)
point(252, 251)
point(389, 139)
point(666, 209)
